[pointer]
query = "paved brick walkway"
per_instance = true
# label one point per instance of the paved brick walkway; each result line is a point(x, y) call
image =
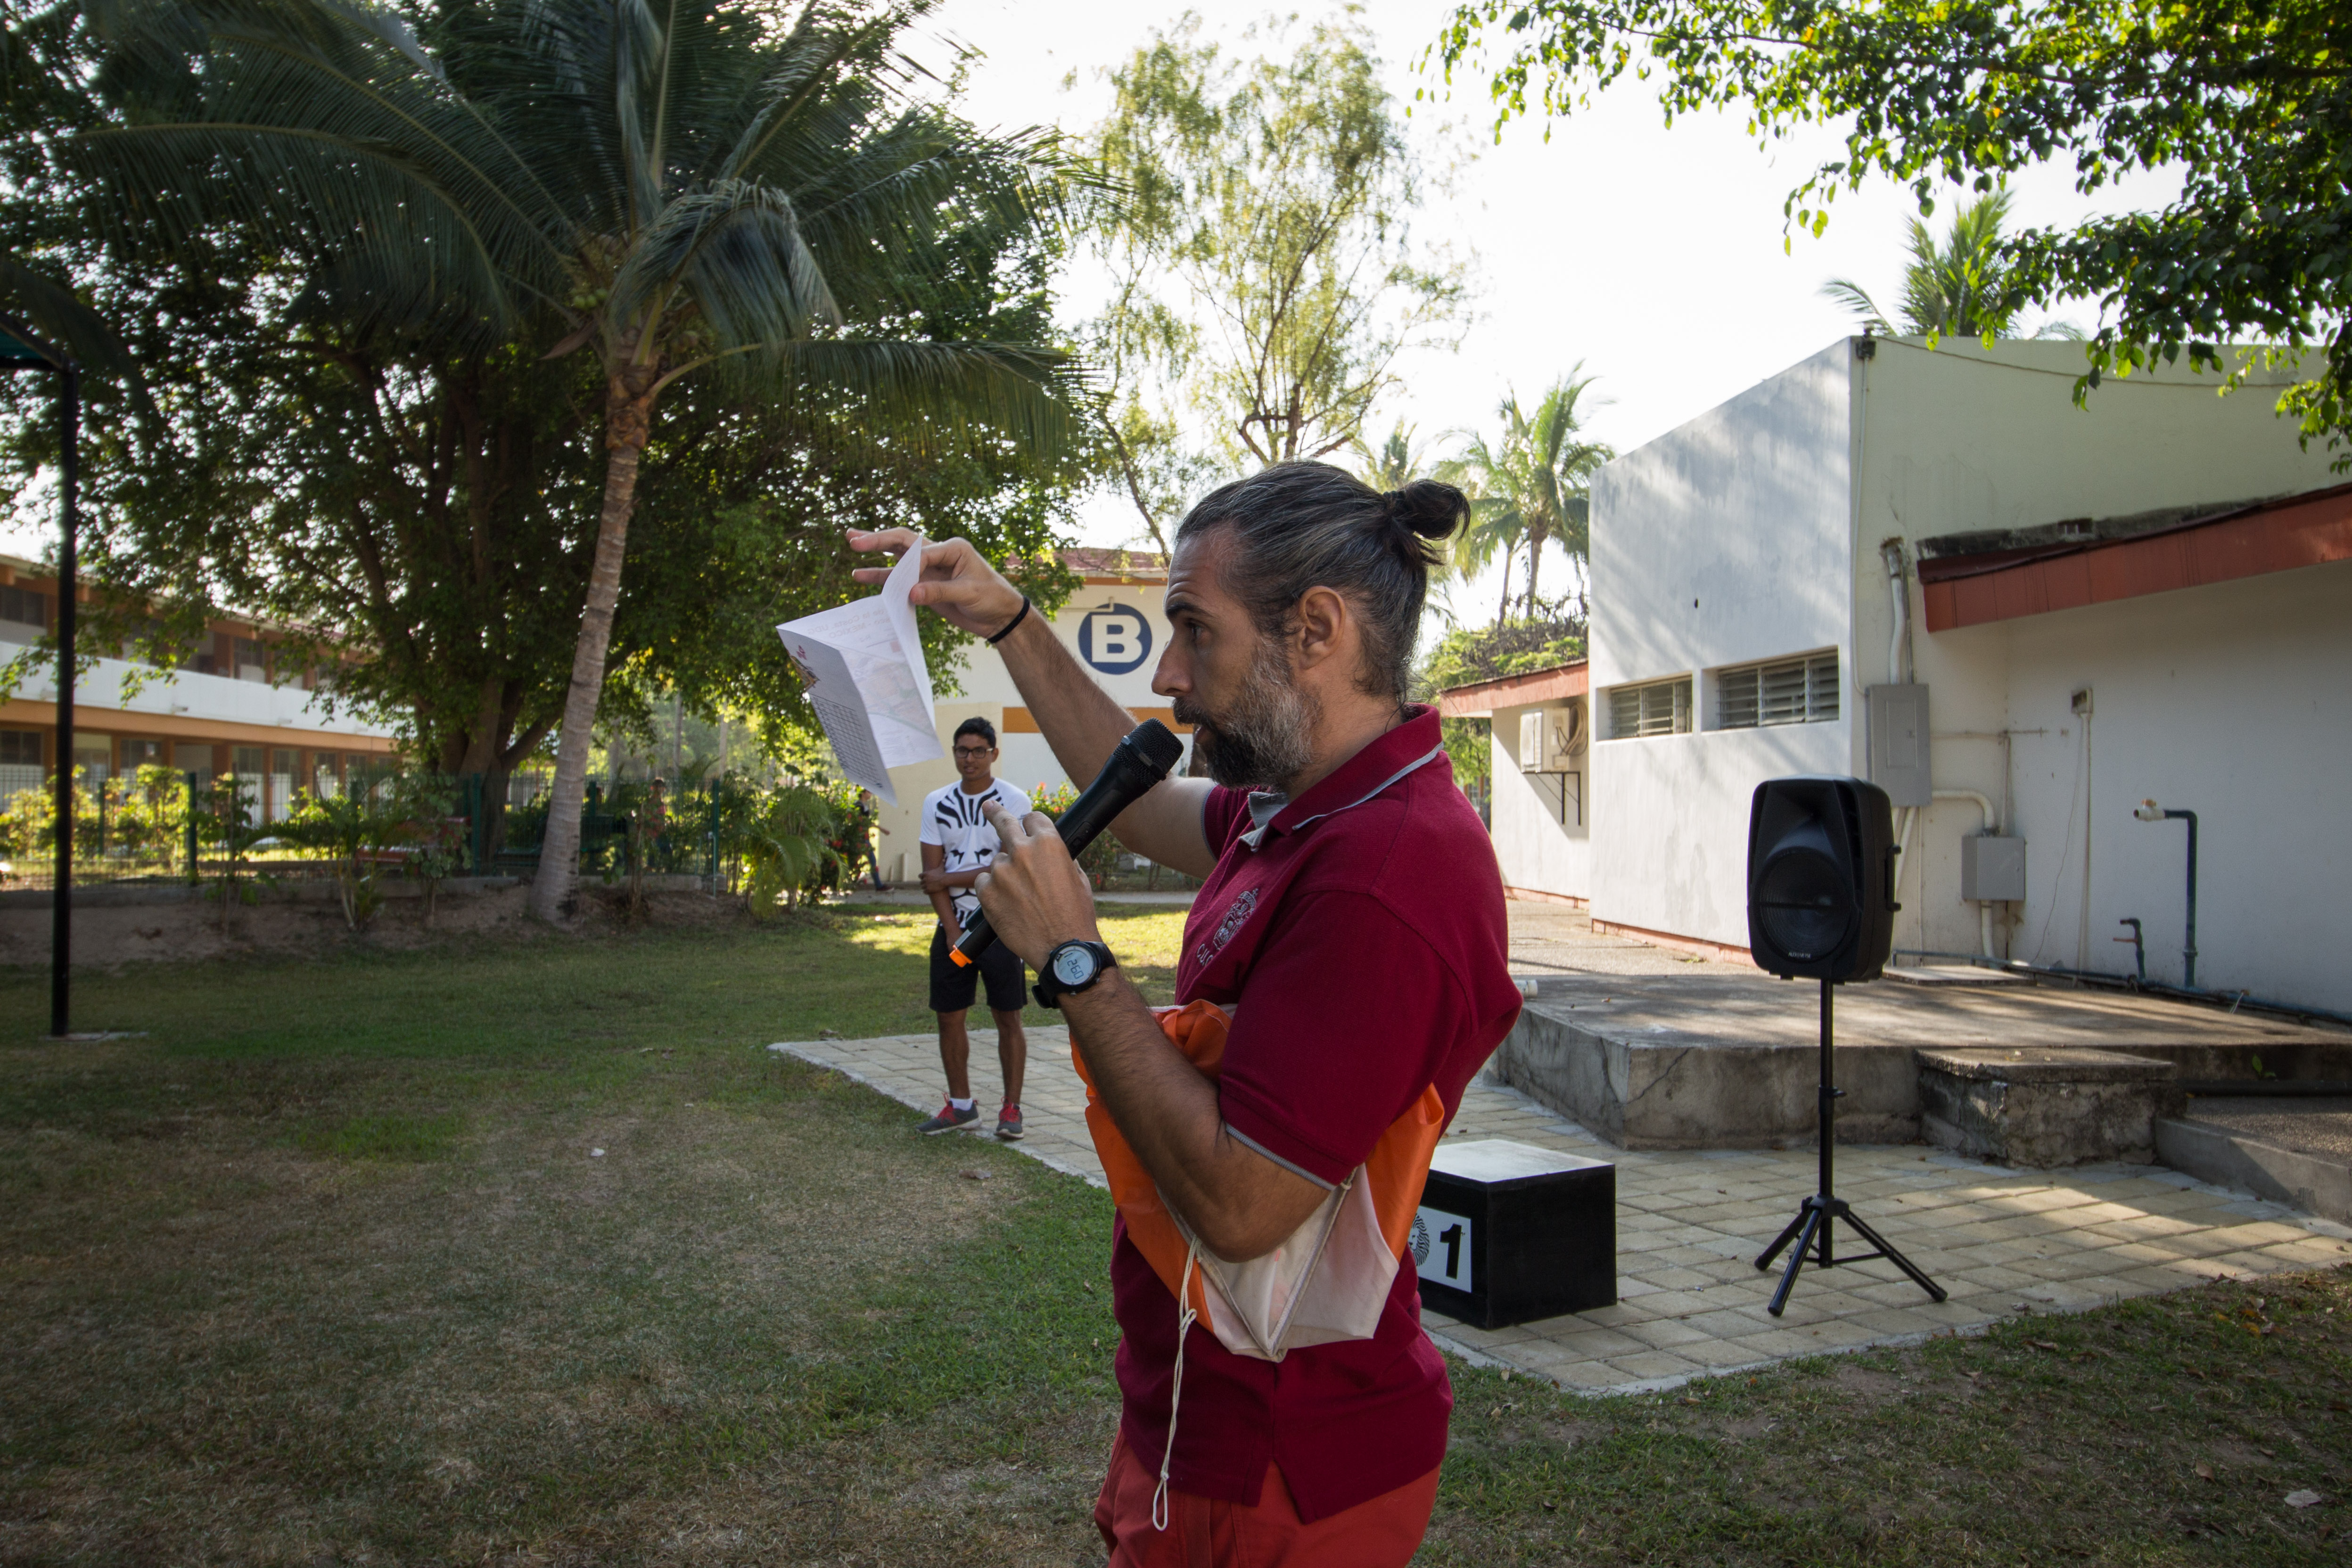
point(1689, 1225)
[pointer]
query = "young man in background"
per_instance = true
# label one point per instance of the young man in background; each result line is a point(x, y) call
point(958, 845)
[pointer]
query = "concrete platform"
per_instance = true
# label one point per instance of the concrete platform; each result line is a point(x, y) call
point(1717, 1057)
point(2294, 1151)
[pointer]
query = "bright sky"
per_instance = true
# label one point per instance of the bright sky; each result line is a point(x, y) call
point(1652, 255)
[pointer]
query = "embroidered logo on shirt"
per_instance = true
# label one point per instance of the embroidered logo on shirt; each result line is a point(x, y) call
point(1237, 914)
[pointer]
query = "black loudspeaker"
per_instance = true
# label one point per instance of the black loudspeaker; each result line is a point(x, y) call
point(1820, 905)
point(1820, 878)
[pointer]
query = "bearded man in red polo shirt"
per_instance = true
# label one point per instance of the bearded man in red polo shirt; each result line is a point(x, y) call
point(1352, 923)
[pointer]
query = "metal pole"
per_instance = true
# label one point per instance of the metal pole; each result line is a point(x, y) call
point(2188, 947)
point(1828, 1115)
point(61, 902)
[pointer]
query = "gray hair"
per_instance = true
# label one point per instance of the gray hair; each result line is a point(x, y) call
point(1309, 525)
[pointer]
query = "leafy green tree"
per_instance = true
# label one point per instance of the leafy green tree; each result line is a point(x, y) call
point(1530, 487)
point(703, 187)
point(1959, 284)
point(2249, 100)
point(1255, 216)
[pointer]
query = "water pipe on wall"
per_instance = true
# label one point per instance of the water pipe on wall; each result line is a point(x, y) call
point(2149, 811)
point(2139, 940)
point(1991, 825)
point(1891, 552)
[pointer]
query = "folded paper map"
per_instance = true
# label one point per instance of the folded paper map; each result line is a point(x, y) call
point(868, 682)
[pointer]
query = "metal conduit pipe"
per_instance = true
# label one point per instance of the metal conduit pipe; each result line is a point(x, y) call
point(1991, 825)
point(2238, 1000)
point(1891, 552)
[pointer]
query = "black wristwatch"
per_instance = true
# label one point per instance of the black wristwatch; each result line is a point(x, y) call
point(1072, 966)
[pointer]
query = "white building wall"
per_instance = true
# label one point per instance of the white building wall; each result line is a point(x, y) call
point(1963, 438)
point(1723, 542)
point(108, 684)
point(1741, 537)
point(1726, 540)
point(1533, 846)
point(2228, 700)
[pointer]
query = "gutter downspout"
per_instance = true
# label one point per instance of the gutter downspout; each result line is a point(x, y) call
point(1890, 551)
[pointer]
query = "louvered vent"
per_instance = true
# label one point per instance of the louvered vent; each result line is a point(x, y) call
point(1786, 691)
point(1657, 707)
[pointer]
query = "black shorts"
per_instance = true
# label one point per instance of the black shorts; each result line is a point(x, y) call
point(954, 985)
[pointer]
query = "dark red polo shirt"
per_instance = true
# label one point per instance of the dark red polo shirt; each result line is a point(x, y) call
point(1359, 940)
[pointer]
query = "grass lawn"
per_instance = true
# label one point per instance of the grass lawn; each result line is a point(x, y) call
point(325, 1269)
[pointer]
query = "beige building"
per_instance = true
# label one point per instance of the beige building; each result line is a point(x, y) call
point(1114, 625)
point(234, 709)
point(2028, 621)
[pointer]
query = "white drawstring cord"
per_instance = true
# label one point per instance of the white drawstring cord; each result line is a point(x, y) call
point(1184, 1316)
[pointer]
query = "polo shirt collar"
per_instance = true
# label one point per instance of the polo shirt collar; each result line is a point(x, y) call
point(1414, 744)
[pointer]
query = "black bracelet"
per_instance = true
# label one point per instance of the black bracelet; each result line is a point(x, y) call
point(1018, 616)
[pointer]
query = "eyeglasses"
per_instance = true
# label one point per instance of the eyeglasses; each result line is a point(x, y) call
point(973, 750)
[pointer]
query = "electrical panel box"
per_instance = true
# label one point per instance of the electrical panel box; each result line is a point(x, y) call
point(1992, 870)
point(1898, 744)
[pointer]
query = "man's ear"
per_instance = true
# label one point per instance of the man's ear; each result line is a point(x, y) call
point(1323, 627)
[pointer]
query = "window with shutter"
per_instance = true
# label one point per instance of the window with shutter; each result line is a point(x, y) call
point(1655, 707)
point(1784, 691)
point(24, 608)
point(1737, 694)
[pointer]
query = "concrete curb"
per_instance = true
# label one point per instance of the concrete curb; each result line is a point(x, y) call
point(2305, 1181)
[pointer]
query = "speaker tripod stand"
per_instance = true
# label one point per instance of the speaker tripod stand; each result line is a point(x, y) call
point(1815, 1217)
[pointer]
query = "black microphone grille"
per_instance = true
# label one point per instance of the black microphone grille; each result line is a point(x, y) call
point(1156, 745)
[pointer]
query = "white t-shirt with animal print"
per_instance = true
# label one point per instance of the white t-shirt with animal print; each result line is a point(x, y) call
point(955, 821)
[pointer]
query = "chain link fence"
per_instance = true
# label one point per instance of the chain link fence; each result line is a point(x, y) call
point(161, 825)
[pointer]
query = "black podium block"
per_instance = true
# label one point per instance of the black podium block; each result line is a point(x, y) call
point(1508, 1233)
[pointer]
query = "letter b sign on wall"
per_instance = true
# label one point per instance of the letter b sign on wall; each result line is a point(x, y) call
point(1115, 639)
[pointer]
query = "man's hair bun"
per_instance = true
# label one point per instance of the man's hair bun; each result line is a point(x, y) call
point(1429, 507)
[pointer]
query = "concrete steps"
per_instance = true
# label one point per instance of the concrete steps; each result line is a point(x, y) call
point(2292, 1151)
point(1728, 1058)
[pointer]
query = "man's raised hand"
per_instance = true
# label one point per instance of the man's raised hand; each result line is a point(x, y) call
point(956, 581)
point(1035, 895)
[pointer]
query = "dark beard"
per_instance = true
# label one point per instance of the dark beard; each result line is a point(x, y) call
point(1264, 735)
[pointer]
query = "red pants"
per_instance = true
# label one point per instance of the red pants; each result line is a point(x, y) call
point(1382, 1532)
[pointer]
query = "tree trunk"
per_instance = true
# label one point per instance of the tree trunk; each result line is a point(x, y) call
point(1534, 557)
point(1503, 611)
point(627, 424)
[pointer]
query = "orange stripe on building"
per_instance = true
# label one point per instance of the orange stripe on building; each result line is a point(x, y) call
point(1019, 721)
point(2311, 531)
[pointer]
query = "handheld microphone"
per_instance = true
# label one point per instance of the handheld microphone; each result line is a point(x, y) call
point(1137, 762)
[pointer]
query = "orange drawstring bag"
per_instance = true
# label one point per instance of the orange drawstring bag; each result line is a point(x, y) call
point(1327, 1280)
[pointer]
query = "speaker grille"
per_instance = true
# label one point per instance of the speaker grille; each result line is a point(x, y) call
point(1805, 903)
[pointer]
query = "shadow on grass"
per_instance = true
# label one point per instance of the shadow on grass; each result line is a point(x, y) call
point(325, 1269)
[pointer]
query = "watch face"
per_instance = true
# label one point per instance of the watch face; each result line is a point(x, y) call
point(1074, 965)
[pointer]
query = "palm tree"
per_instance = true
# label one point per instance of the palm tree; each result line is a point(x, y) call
point(1532, 486)
point(1559, 467)
point(1488, 474)
point(1953, 286)
point(1395, 463)
point(700, 186)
